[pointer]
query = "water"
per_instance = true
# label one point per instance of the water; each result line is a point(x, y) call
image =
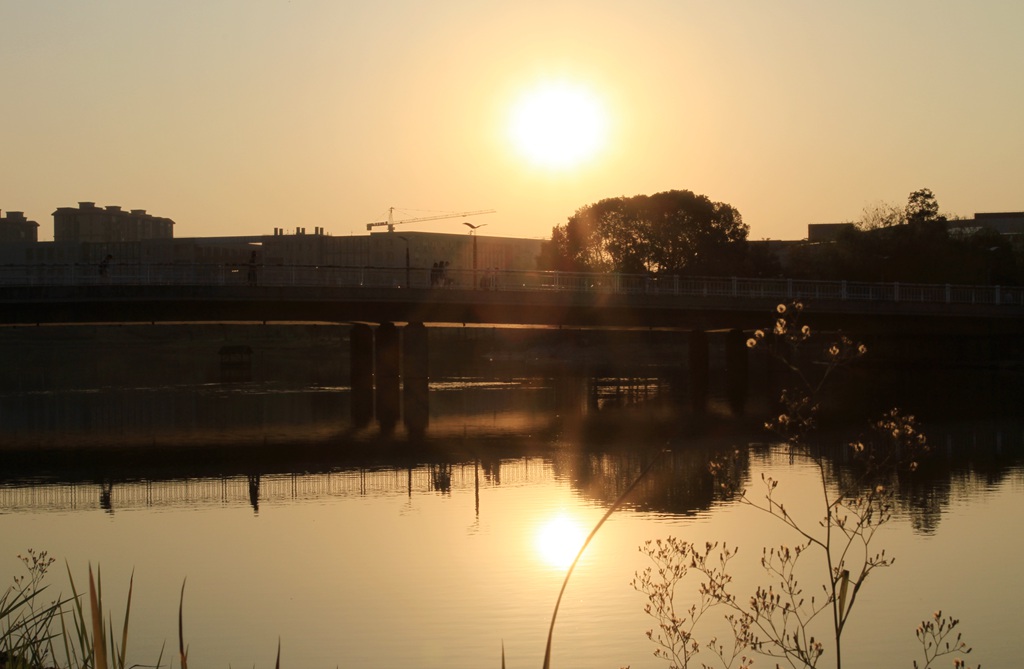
point(355, 549)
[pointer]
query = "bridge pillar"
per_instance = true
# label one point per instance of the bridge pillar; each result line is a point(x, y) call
point(699, 370)
point(415, 378)
point(736, 370)
point(361, 373)
point(387, 348)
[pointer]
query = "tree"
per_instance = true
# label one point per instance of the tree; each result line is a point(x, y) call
point(673, 231)
point(881, 215)
point(922, 207)
point(902, 243)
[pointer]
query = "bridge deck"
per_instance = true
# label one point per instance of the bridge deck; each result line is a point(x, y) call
point(149, 293)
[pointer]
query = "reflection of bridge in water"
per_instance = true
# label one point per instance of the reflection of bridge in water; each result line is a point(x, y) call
point(272, 488)
point(967, 457)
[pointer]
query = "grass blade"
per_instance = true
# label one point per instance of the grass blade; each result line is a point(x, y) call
point(612, 509)
point(182, 652)
point(95, 606)
point(84, 643)
point(160, 657)
point(123, 650)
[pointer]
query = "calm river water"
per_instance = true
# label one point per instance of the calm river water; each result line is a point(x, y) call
point(354, 548)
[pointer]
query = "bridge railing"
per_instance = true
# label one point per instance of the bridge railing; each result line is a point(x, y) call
point(211, 274)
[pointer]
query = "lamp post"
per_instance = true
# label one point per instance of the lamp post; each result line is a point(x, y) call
point(472, 233)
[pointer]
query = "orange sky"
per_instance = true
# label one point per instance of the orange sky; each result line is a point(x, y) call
point(235, 117)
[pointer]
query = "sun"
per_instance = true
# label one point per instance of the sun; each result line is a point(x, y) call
point(558, 125)
point(558, 541)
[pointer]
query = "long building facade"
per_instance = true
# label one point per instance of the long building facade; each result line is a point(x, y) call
point(87, 234)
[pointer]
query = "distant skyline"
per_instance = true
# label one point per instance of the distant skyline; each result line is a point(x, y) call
point(235, 117)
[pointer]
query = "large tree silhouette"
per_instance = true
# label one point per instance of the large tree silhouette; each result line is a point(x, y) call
point(922, 207)
point(674, 231)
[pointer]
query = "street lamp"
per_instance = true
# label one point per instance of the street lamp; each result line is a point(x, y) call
point(472, 233)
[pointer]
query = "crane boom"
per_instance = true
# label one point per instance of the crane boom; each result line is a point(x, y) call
point(391, 222)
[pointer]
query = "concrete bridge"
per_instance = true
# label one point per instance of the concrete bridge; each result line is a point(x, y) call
point(389, 375)
point(221, 293)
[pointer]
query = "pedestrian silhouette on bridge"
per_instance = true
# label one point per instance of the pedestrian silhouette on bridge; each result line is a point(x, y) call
point(252, 269)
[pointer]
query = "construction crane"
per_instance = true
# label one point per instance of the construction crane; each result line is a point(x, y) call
point(391, 222)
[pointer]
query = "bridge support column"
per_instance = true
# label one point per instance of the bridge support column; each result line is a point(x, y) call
point(415, 378)
point(699, 370)
point(388, 395)
point(361, 373)
point(736, 370)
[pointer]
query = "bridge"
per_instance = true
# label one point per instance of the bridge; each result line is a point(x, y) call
point(147, 293)
point(388, 364)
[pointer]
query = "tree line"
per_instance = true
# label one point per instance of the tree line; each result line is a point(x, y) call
point(679, 232)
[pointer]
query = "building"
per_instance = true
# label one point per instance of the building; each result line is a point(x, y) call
point(416, 250)
point(89, 223)
point(827, 232)
point(1010, 224)
point(1005, 223)
point(14, 227)
point(393, 249)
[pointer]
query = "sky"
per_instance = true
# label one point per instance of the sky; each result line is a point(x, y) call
point(235, 117)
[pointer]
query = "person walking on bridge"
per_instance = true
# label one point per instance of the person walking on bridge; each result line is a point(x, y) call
point(105, 265)
point(252, 269)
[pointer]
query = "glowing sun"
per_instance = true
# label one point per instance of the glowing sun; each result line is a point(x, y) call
point(558, 125)
point(558, 541)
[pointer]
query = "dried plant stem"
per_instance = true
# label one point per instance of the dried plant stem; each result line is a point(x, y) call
point(182, 651)
point(565, 582)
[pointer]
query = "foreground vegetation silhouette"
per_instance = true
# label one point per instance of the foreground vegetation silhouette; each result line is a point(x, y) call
point(35, 633)
point(72, 632)
point(783, 620)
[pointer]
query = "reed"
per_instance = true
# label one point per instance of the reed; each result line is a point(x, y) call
point(78, 646)
point(61, 633)
point(106, 649)
point(182, 650)
point(71, 632)
point(565, 582)
point(25, 622)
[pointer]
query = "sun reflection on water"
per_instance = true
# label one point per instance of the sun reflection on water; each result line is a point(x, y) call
point(558, 540)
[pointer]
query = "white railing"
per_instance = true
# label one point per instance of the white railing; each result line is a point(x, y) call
point(199, 275)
